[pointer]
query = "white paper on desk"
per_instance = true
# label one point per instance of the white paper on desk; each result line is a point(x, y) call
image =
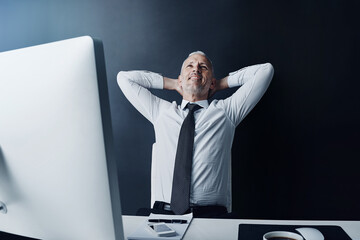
point(143, 233)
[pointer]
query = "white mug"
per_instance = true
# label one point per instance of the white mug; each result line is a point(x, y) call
point(282, 234)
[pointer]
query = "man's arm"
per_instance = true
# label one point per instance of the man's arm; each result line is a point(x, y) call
point(135, 85)
point(220, 85)
point(252, 81)
point(172, 84)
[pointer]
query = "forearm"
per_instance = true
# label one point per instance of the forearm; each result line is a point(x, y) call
point(222, 84)
point(261, 73)
point(253, 82)
point(135, 84)
point(133, 79)
point(170, 83)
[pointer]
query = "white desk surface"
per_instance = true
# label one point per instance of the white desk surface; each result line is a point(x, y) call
point(202, 228)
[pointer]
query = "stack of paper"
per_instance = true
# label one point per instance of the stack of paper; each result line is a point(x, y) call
point(173, 221)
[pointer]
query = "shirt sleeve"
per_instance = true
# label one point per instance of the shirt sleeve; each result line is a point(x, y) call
point(135, 85)
point(253, 82)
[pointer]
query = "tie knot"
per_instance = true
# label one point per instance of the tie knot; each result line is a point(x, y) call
point(193, 107)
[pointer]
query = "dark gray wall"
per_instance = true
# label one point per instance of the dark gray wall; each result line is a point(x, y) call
point(296, 155)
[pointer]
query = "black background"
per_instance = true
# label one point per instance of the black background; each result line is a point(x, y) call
point(296, 155)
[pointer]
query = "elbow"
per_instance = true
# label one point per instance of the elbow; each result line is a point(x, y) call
point(121, 77)
point(269, 69)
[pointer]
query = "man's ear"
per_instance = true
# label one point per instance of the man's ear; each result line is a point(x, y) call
point(179, 80)
point(213, 83)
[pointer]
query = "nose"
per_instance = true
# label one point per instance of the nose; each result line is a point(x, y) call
point(197, 68)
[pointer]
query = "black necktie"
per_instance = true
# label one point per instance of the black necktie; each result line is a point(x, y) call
point(180, 195)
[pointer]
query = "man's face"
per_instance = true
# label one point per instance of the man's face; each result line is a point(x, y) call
point(196, 76)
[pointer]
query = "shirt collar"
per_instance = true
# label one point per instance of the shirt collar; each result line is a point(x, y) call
point(202, 103)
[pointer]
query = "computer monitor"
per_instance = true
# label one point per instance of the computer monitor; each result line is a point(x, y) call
point(58, 177)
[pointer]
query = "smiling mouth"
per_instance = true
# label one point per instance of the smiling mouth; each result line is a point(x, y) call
point(197, 77)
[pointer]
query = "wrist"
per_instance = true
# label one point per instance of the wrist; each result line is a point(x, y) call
point(170, 83)
point(222, 84)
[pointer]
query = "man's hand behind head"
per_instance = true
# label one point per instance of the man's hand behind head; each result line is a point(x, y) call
point(220, 85)
point(172, 84)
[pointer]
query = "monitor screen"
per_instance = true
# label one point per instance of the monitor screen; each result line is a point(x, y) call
point(58, 178)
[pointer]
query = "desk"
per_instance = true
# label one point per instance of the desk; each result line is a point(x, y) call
point(215, 229)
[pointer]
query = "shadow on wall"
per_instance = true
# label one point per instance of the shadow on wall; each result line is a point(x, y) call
point(9, 191)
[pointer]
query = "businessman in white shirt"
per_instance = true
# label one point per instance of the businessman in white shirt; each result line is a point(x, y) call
point(215, 123)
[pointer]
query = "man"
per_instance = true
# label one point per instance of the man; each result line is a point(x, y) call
point(209, 191)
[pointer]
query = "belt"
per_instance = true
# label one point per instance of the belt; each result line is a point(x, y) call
point(162, 206)
point(192, 209)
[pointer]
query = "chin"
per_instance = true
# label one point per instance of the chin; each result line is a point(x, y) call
point(195, 91)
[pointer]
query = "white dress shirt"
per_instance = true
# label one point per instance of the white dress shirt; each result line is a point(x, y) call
point(215, 125)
